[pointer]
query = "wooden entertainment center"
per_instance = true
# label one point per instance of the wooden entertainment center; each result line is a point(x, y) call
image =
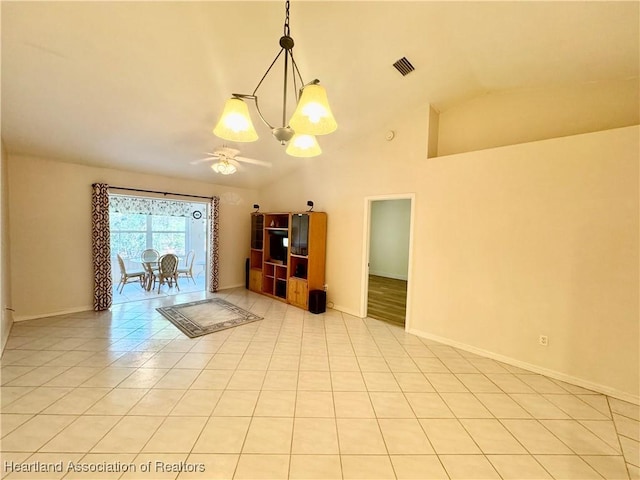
point(287, 258)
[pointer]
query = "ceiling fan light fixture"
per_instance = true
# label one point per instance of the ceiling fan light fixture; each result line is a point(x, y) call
point(224, 167)
point(313, 114)
point(235, 122)
point(303, 145)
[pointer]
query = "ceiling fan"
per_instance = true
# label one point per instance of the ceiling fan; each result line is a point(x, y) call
point(226, 160)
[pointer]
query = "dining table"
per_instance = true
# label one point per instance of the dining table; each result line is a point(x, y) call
point(150, 268)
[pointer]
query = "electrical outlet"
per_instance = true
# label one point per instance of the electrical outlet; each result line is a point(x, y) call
point(543, 340)
point(326, 287)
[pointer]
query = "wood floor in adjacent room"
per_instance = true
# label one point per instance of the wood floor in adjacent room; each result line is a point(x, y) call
point(387, 299)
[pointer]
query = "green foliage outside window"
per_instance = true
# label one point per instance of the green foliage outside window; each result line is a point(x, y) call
point(127, 221)
point(164, 223)
point(128, 244)
point(133, 233)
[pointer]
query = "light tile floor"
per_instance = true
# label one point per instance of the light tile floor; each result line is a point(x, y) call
point(295, 395)
point(133, 291)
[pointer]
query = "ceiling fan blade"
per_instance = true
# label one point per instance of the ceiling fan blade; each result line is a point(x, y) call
point(253, 161)
point(230, 155)
point(227, 151)
point(202, 160)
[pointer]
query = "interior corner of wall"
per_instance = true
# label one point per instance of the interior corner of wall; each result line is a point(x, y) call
point(433, 132)
point(347, 310)
point(7, 323)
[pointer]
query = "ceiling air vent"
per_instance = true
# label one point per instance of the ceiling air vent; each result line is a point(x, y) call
point(404, 66)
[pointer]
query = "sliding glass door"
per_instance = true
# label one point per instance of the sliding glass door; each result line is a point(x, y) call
point(168, 226)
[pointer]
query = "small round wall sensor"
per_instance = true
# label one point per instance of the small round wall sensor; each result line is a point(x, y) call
point(390, 135)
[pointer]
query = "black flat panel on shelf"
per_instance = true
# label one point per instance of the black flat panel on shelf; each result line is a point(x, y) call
point(257, 226)
point(300, 234)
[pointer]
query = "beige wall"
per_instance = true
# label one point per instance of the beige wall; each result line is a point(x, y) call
point(50, 230)
point(525, 115)
point(539, 238)
point(510, 243)
point(5, 279)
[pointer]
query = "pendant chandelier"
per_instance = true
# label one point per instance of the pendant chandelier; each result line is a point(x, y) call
point(311, 117)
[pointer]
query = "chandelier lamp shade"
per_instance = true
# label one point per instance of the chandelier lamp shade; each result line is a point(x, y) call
point(235, 122)
point(302, 145)
point(312, 115)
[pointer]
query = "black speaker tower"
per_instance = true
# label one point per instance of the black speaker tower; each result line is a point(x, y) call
point(317, 301)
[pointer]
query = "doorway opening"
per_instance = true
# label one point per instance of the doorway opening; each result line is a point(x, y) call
point(139, 224)
point(387, 258)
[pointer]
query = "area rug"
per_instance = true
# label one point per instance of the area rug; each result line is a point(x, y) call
point(206, 316)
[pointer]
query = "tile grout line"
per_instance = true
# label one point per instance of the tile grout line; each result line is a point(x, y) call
point(369, 397)
point(202, 370)
point(412, 408)
point(482, 453)
point(333, 398)
point(495, 418)
point(126, 414)
point(624, 457)
point(216, 403)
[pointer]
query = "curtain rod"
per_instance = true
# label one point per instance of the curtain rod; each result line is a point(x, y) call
point(162, 193)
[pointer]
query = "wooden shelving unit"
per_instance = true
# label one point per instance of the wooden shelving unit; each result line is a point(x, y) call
point(287, 258)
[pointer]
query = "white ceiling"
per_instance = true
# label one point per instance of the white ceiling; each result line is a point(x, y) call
point(139, 85)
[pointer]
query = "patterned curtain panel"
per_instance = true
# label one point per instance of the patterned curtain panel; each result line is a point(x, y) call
point(214, 245)
point(102, 287)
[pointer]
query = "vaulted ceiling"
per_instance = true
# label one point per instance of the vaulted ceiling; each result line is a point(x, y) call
point(139, 85)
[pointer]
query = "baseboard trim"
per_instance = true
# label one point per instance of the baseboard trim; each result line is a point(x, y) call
point(227, 287)
point(346, 310)
point(388, 275)
point(580, 382)
point(23, 318)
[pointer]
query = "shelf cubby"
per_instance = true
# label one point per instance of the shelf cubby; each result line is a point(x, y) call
point(298, 266)
point(256, 259)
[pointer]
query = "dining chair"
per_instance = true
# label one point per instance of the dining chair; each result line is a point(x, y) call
point(150, 255)
point(187, 270)
point(150, 258)
point(167, 270)
point(127, 277)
